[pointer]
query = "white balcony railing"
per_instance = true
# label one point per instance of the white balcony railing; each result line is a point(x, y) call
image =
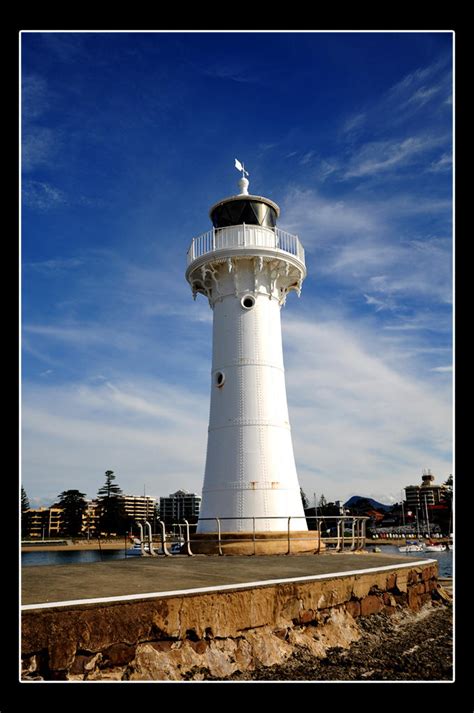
point(245, 236)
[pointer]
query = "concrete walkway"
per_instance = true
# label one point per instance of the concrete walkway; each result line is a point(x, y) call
point(138, 577)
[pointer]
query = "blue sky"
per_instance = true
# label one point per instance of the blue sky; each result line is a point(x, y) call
point(127, 140)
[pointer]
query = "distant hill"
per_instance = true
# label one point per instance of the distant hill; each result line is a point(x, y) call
point(359, 500)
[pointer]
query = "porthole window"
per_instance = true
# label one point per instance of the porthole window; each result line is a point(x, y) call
point(247, 301)
point(219, 379)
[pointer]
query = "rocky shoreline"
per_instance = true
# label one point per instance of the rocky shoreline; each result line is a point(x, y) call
point(406, 646)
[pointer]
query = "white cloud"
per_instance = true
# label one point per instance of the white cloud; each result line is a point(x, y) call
point(358, 423)
point(55, 265)
point(40, 195)
point(357, 242)
point(146, 432)
point(381, 156)
point(319, 220)
point(444, 163)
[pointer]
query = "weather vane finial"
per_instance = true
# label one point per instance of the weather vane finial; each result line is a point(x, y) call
point(243, 183)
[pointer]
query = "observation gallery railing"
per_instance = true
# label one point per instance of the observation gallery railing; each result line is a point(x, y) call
point(245, 236)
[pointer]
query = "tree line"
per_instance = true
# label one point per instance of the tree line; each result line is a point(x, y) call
point(112, 517)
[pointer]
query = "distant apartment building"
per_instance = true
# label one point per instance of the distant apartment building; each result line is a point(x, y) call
point(139, 507)
point(43, 522)
point(180, 506)
point(90, 519)
point(427, 492)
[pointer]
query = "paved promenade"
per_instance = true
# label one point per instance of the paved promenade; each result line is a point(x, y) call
point(181, 574)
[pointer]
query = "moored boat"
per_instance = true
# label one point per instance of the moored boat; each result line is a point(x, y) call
point(435, 547)
point(412, 546)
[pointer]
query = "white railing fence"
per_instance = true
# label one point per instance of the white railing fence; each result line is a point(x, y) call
point(349, 533)
point(245, 236)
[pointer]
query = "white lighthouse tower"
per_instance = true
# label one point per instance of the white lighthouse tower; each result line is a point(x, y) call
point(246, 266)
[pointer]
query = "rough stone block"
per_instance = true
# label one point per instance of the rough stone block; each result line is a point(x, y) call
point(371, 605)
point(353, 608)
point(402, 581)
point(413, 599)
point(267, 649)
point(389, 600)
point(306, 616)
point(118, 654)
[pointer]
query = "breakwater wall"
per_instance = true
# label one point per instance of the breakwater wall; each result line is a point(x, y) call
point(193, 636)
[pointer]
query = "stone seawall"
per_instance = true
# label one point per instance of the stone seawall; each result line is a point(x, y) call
point(214, 634)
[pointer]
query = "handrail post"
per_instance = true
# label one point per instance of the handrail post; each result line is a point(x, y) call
point(353, 546)
point(219, 536)
point(188, 538)
point(213, 238)
point(254, 543)
point(142, 544)
point(318, 530)
point(289, 538)
point(150, 539)
point(163, 538)
point(338, 543)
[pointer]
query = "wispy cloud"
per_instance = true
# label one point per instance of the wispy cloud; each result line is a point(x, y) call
point(357, 242)
point(136, 429)
point(234, 71)
point(444, 163)
point(39, 147)
point(40, 143)
point(426, 86)
point(55, 265)
point(42, 196)
point(355, 417)
point(382, 156)
point(36, 97)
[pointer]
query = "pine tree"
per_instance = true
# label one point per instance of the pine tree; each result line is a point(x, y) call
point(73, 505)
point(112, 516)
point(25, 506)
point(304, 499)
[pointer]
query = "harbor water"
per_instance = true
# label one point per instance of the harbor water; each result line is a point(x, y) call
point(444, 559)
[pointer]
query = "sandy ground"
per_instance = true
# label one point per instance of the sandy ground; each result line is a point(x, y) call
point(91, 545)
point(402, 647)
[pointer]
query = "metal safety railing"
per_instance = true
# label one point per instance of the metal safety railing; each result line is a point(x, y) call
point(245, 236)
point(349, 534)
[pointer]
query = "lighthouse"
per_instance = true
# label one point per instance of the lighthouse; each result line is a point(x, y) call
point(246, 266)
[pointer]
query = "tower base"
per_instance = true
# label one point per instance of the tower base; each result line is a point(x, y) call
point(265, 543)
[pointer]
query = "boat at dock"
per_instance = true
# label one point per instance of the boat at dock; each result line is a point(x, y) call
point(436, 547)
point(136, 550)
point(412, 546)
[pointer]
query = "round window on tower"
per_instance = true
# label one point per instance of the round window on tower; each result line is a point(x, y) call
point(247, 301)
point(220, 378)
